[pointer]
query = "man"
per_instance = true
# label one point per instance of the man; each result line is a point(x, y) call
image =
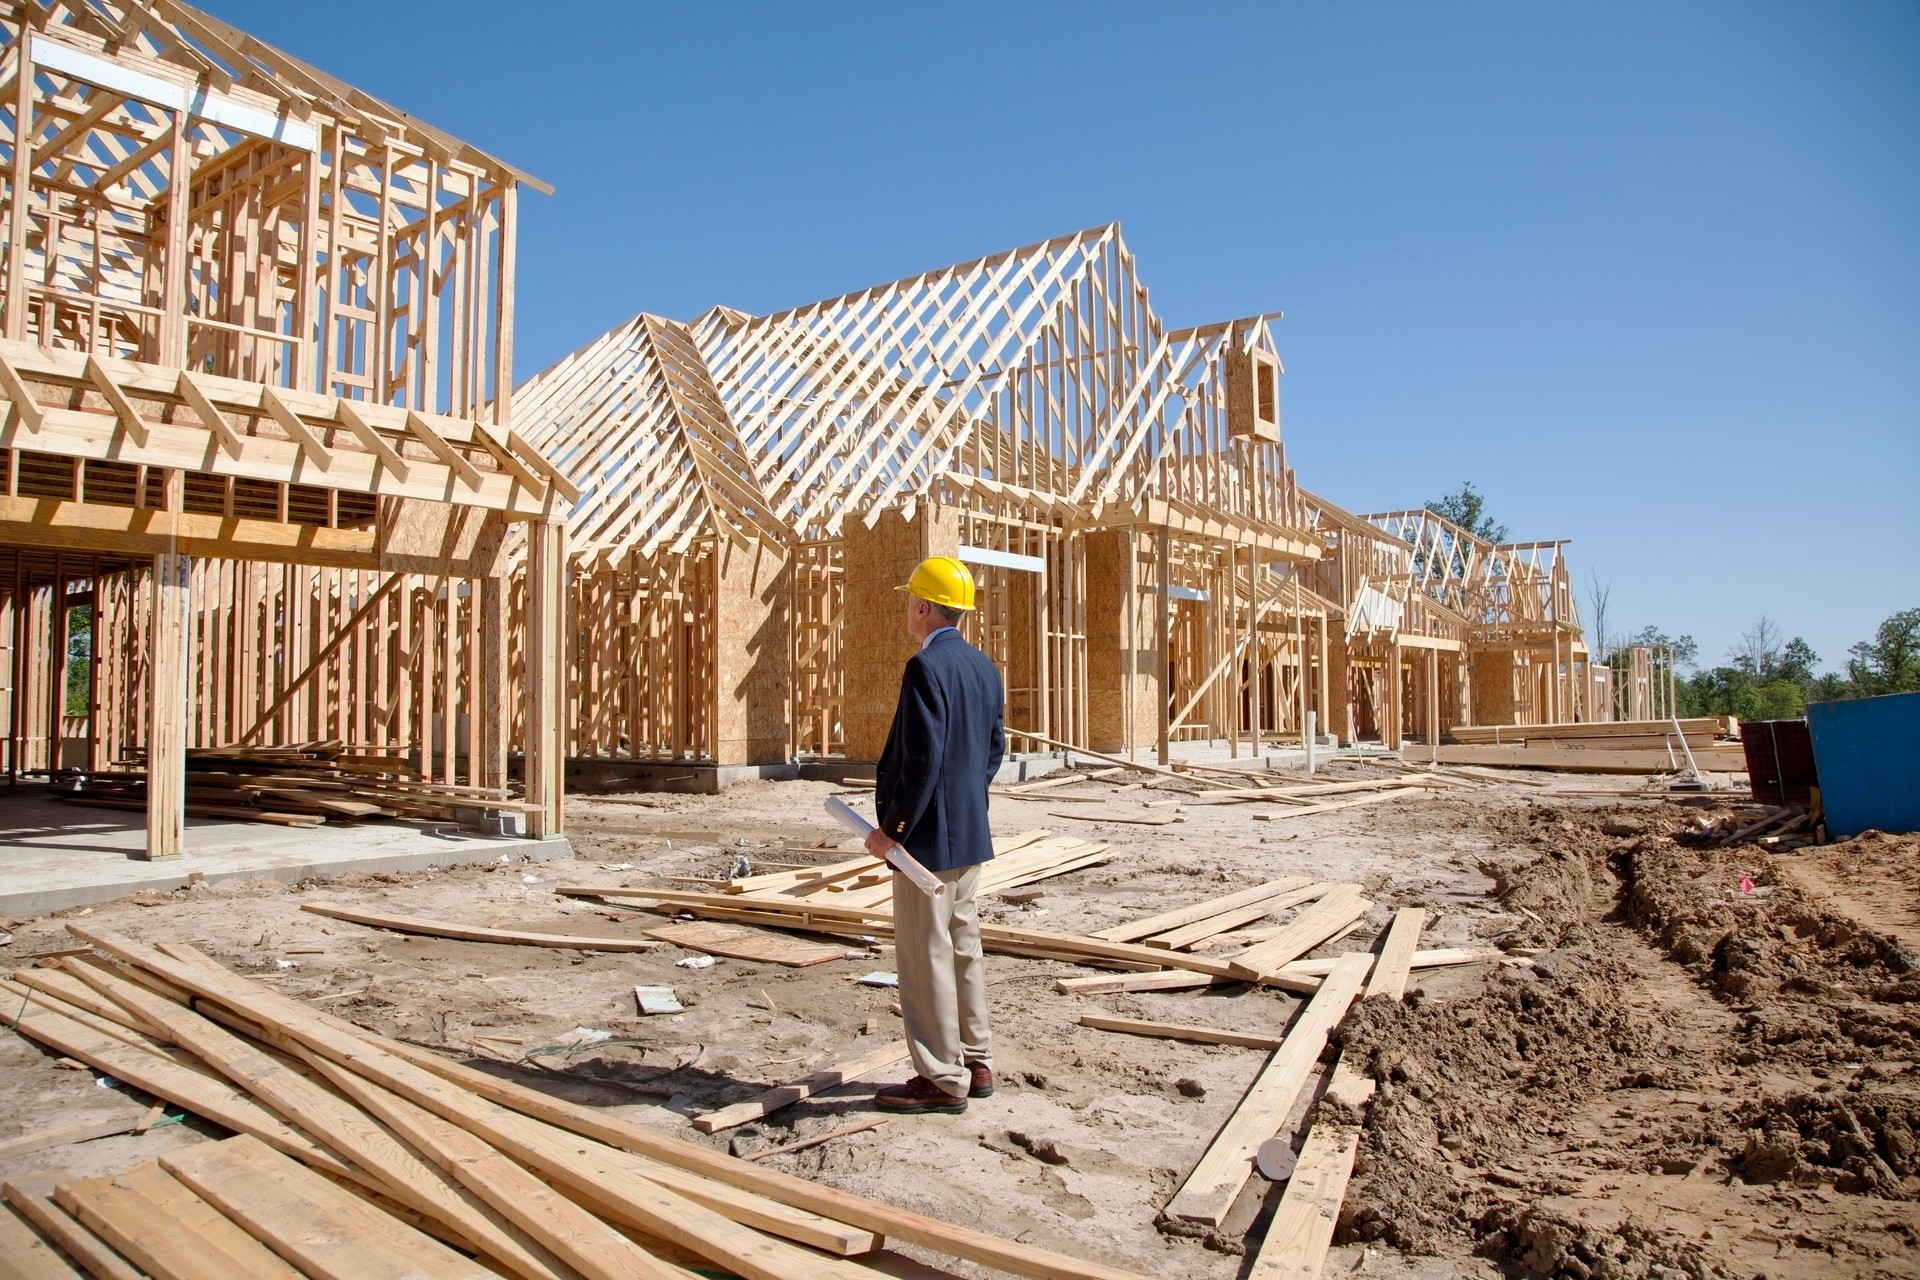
point(943, 749)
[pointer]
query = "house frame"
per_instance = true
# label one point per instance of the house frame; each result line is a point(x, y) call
point(255, 353)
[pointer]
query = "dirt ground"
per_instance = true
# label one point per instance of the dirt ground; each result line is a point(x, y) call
point(1708, 1070)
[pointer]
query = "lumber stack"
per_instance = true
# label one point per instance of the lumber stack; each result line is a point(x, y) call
point(355, 1155)
point(865, 882)
point(1718, 758)
point(302, 785)
point(1617, 735)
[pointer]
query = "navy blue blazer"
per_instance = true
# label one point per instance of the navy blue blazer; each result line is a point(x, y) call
point(945, 745)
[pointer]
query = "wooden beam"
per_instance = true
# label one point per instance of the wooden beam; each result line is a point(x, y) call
point(1209, 1190)
point(331, 1233)
point(471, 933)
point(1178, 1031)
point(168, 605)
point(141, 532)
point(122, 407)
point(362, 431)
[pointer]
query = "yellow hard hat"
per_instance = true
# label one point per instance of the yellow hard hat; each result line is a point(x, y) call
point(942, 580)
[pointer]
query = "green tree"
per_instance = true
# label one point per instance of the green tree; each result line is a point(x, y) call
point(1686, 650)
point(79, 661)
point(1467, 509)
point(1890, 662)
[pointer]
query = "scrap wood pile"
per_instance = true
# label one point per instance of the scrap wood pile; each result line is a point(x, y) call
point(358, 1156)
point(1202, 784)
point(868, 882)
point(1164, 953)
point(302, 785)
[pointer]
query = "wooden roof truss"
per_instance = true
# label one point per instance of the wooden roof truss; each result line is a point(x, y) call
point(194, 197)
point(1509, 592)
point(638, 416)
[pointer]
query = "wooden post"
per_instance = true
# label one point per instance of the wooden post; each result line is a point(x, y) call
point(168, 607)
point(1321, 711)
point(20, 201)
point(1433, 703)
point(493, 714)
point(175, 333)
point(1162, 641)
point(545, 761)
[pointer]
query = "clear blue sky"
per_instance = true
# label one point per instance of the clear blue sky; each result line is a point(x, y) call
point(1649, 274)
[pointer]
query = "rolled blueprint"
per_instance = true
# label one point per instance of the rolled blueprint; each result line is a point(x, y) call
point(923, 879)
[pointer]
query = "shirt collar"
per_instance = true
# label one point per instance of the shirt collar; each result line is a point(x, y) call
point(934, 634)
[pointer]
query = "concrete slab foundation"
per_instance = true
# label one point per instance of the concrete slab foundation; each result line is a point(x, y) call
point(54, 856)
point(589, 775)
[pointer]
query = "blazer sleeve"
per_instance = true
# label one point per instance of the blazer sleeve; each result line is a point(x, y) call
point(922, 751)
point(997, 740)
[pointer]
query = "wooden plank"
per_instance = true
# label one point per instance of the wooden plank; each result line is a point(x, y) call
point(1339, 908)
point(1717, 759)
point(747, 944)
point(1156, 980)
point(1297, 1239)
point(33, 1198)
point(163, 1078)
point(183, 1206)
point(519, 1194)
point(607, 1188)
point(473, 933)
point(1209, 1191)
point(335, 1123)
point(593, 1123)
point(1112, 817)
point(25, 1256)
point(1179, 1031)
point(1295, 1246)
point(787, 1094)
point(1299, 795)
point(1134, 930)
point(797, 915)
point(1391, 970)
point(327, 1232)
point(562, 1228)
point(1334, 806)
point(84, 1131)
point(147, 1234)
point(1186, 935)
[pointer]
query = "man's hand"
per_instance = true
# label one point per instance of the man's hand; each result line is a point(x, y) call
point(878, 842)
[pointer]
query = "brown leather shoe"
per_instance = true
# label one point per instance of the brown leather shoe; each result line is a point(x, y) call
point(916, 1096)
point(982, 1083)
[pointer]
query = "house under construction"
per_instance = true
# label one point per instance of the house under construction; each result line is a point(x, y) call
point(262, 440)
point(255, 352)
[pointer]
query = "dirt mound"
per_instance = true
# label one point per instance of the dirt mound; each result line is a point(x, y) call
point(1464, 1086)
point(1468, 1084)
point(1540, 1241)
point(1865, 1144)
point(1501, 1117)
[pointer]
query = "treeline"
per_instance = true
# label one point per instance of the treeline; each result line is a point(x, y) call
point(1769, 677)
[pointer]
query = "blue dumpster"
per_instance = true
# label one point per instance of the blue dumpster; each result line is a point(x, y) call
point(1867, 753)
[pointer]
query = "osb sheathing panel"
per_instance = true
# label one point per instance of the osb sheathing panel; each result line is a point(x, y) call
point(1116, 671)
point(417, 536)
point(875, 645)
point(1493, 680)
point(753, 661)
point(1340, 708)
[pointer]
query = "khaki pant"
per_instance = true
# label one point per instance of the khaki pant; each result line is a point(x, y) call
point(943, 977)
